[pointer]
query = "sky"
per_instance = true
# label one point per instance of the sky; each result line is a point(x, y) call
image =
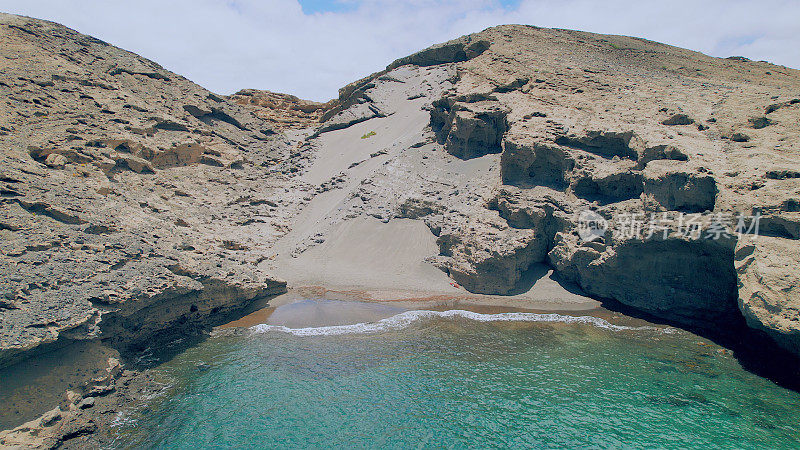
point(311, 48)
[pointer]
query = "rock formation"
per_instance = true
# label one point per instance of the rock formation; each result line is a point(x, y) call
point(282, 111)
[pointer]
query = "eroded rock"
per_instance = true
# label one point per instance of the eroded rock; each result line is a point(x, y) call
point(469, 127)
point(769, 297)
point(526, 161)
point(678, 190)
point(690, 282)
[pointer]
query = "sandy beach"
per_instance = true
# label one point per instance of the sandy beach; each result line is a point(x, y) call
point(368, 260)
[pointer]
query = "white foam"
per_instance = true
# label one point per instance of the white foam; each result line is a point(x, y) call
point(407, 318)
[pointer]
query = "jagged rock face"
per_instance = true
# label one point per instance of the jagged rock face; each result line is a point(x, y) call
point(457, 50)
point(521, 233)
point(690, 282)
point(123, 189)
point(528, 163)
point(677, 190)
point(607, 144)
point(355, 93)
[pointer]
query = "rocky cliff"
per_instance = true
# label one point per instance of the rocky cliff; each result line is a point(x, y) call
point(510, 137)
point(135, 201)
point(643, 135)
point(131, 200)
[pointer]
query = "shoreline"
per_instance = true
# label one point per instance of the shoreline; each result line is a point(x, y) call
point(86, 414)
point(407, 300)
point(129, 381)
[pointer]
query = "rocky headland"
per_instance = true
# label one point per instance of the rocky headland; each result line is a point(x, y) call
point(137, 206)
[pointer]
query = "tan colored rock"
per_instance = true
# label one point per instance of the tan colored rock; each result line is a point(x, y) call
point(133, 163)
point(56, 161)
point(677, 189)
point(769, 296)
point(469, 127)
point(281, 110)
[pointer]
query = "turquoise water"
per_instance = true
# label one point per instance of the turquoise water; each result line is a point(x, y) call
point(463, 381)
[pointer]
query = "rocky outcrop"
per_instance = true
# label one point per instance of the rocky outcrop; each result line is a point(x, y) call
point(687, 281)
point(769, 297)
point(457, 50)
point(527, 162)
point(69, 421)
point(364, 110)
point(469, 127)
point(678, 190)
point(607, 144)
point(180, 301)
point(609, 185)
point(281, 111)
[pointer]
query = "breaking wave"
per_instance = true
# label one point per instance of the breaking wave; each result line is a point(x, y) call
point(408, 318)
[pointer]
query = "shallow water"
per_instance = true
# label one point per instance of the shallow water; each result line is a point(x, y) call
point(460, 379)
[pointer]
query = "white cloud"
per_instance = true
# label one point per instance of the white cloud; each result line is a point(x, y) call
point(271, 44)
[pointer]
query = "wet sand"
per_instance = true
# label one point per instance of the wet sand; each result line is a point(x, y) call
point(298, 311)
point(321, 307)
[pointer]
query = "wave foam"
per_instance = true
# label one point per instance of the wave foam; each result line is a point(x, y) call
point(407, 318)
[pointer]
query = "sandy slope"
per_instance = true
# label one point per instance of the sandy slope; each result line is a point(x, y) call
point(339, 243)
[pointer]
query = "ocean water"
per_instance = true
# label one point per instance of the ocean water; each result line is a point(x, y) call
point(463, 380)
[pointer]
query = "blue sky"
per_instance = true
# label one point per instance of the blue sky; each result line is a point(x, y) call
point(310, 48)
point(321, 6)
point(339, 6)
